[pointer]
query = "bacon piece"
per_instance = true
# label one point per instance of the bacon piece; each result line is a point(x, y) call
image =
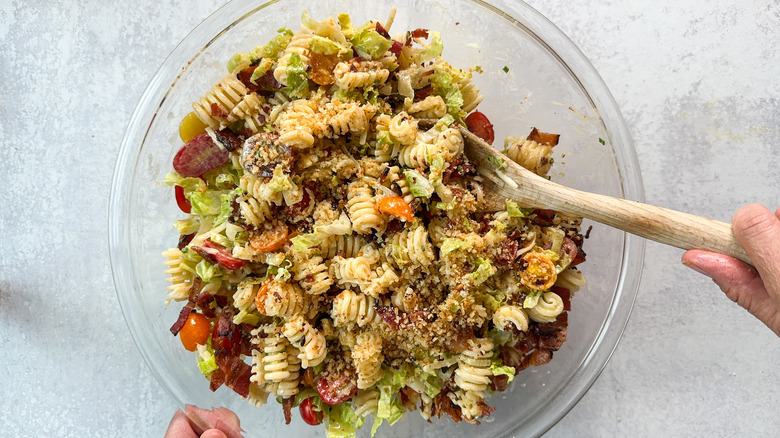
point(539, 357)
point(287, 404)
point(228, 139)
point(499, 383)
point(381, 30)
point(217, 379)
point(552, 335)
point(543, 218)
point(565, 295)
point(389, 315)
point(217, 111)
point(419, 33)
point(182, 319)
point(443, 405)
point(507, 252)
point(396, 48)
point(544, 137)
point(458, 341)
point(422, 93)
point(185, 240)
point(237, 372)
point(510, 356)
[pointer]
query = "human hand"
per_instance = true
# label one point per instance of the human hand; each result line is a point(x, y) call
point(197, 422)
point(757, 290)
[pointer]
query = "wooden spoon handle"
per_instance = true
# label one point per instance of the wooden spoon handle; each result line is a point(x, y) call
point(663, 225)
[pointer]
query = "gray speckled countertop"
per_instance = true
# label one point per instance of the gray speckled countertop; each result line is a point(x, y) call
point(696, 81)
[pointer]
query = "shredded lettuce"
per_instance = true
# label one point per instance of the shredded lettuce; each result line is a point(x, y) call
point(280, 271)
point(419, 185)
point(483, 271)
point(189, 184)
point(208, 203)
point(304, 242)
point(325, 46)
point(341, 421)
point(500, 370)
point(206, 271)
point(514, 211)
point(445, 86)
point(346, 23)
point(389, 407)
point(297, 81)
point(207, 360)
point(187, 226)
point(532, 299)
point(433, 50)
point(269, 52)
point(449, 245)
point(277, 44)
point(245, 316)
point(369, 44)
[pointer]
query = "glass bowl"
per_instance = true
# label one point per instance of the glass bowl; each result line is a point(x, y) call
point(533, 77)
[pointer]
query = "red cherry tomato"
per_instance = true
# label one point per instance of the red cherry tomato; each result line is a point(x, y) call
point(216, 253)
point(184, 203)
point(199, 156)
point(195, 331)
point(338, 390)
point(479, 124)
point(309, 414)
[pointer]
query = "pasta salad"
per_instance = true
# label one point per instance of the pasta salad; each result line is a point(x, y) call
point(336, 255)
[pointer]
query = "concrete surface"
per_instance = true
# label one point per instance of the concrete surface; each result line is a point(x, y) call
point(696, 81)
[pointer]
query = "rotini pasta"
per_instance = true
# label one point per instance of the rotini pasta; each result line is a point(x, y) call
point(343, 244)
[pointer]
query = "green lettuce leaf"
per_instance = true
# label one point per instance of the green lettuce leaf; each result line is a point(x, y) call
point(419, 185)
point(297, 81)
point(369, 44)
point(433, 50)
point(483, 271)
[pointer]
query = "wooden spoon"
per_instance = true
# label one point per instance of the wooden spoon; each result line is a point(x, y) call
point(529, 190)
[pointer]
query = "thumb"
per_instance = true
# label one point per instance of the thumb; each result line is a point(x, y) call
point(213, 433)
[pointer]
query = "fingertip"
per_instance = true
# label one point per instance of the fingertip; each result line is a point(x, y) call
point(213, 433)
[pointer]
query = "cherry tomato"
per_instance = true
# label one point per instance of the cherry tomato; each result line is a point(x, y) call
point(199, 156)
point(336, 391)
point(190, 127)
point(195, 331)
point(396, 206)
point(225, 334)
point(216, 253)
point(184, 203)
point(270, 239)
point(309, 414)
point(260, 297)
point(479, 124)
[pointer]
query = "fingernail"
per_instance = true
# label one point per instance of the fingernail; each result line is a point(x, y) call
point(692, 264)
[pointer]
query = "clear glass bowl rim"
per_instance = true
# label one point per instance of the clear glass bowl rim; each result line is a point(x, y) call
point(514, 10)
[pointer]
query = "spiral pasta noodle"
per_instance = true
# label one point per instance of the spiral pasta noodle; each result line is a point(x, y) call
point(359, 74)
point(279, 299)
point(508, 315)
point(215, 107)
point(549, 306)
point(367, 356)
point(180, 280)
point(351, 307)
point(307, 339)
point(362, 209)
